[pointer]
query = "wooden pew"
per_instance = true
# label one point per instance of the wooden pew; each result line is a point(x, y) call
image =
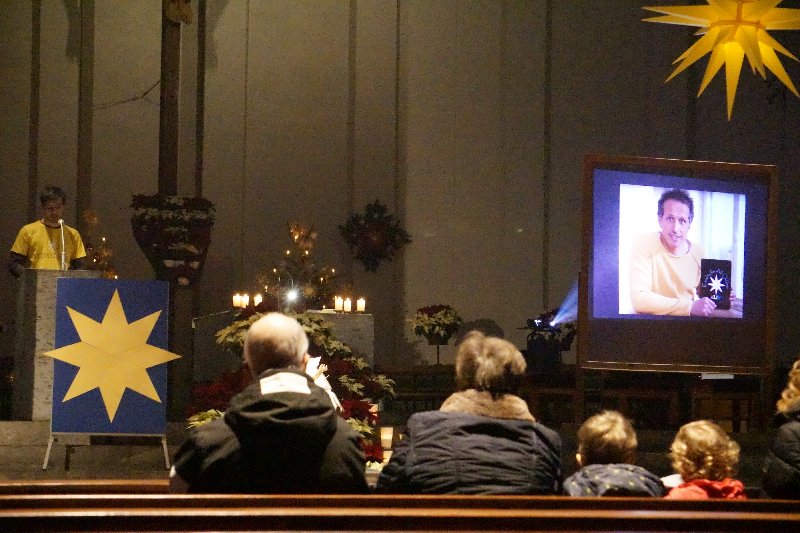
point(165, 512)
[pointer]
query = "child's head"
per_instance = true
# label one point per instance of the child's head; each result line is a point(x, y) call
point(702, 450)
point(605, 438)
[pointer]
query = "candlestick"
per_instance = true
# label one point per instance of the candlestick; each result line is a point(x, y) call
point(338, 303)
point(245, 300)
point(361, 305)
point(237, 300)
point(257, 299)
point(348, 305)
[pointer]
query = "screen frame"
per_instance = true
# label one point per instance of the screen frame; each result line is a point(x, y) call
point(591, 356)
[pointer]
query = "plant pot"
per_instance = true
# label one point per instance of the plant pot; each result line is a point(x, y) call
point(543, 355)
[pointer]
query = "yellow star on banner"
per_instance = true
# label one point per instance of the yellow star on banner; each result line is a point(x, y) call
point(112, 355)
point(731, 30)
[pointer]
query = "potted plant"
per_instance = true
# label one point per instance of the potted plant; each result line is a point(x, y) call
point(437, 323)
point(174, 233)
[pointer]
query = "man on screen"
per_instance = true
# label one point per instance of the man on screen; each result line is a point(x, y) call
point(665, 265)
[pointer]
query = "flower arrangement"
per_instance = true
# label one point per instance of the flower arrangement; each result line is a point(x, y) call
point(374, 237)
point(359, 389)
point(542, 327)
point(437, 323)
point(174, 233)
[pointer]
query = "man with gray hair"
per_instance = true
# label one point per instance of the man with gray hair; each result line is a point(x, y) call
point(280, 435)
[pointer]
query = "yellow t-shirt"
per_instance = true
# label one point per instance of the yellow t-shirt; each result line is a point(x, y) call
point(41, 244)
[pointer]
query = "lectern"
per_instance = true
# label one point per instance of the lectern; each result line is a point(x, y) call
point(35, 334)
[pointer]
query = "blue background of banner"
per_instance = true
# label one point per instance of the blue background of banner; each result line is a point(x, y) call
point(86, 413)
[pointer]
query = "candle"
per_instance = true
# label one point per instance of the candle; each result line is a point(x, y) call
point(257, 299)
point(338, 303)
point(348, 305)
point(237, 300)
point(361, 305)
point(386, 437)
point(245, 300)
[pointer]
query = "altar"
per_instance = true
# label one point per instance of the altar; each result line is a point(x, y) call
point(357, 330)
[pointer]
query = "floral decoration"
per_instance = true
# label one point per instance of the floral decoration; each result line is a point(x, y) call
point(561, 334)
point(437, 323)
point(174, 233)
point(359, 389)
point(375, 236)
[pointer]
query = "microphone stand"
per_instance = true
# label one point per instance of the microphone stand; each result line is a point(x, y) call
point(63, 248)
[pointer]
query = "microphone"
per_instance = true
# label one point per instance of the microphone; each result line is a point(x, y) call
point(63, 249)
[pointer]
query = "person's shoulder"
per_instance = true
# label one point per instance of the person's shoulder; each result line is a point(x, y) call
point(32, 227)
point(646, 242)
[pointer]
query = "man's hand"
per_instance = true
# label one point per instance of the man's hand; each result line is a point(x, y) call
point(702, 307)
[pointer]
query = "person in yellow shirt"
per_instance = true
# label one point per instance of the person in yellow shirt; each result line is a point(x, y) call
point(39, 245)
point(665, 265)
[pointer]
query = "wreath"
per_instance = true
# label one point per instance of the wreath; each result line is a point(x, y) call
point(374, 236)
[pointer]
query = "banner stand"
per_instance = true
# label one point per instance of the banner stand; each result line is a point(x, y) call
point(110, 372)
point(70, 446)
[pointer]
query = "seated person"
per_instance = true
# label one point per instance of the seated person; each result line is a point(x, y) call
point(483, 439)
point(280, 435)
point(606, 453)
point(665, 266)
point(782, 470)
point(706, 459)
point(39, 244)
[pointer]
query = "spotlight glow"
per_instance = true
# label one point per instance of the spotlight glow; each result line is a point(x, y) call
point(568, 311)
point(291, 295)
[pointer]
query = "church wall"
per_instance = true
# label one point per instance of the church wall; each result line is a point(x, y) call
point(438, 109)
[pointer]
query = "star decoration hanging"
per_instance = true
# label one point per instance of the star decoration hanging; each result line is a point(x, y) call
point(113, 355)
point(731, 30)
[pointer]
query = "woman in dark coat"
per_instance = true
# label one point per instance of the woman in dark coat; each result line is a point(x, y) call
point(782, 469)
point(483, 439)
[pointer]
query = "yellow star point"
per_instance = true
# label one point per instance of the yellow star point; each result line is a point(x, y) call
point(732, 30)
point(112, 355)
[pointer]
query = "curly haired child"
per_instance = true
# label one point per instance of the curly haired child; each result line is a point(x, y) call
point(706, 458)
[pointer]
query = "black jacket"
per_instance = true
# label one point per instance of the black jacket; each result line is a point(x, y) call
point(459, 453)
point(614, 480)
point(782, 469)
point(283, 441)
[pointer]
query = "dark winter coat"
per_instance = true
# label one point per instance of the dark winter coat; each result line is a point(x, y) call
point(279, 435)
point(782, 469)
point(475, 445)
point(614, 480)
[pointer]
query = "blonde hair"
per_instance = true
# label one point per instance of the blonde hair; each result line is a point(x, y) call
point(607, 437)
point(488, 364)
point(702, 450)
point(791, 394)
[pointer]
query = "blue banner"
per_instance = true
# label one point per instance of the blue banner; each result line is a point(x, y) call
point(110, 371)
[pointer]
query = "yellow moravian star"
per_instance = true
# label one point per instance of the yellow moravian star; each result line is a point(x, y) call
point(731, 30)
point(112, 355)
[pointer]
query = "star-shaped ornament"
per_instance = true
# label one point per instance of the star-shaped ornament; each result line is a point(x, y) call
point(716, 284)
point(732, 30)
point(113, 355)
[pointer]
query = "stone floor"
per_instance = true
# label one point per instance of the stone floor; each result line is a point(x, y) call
point(23, 446)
